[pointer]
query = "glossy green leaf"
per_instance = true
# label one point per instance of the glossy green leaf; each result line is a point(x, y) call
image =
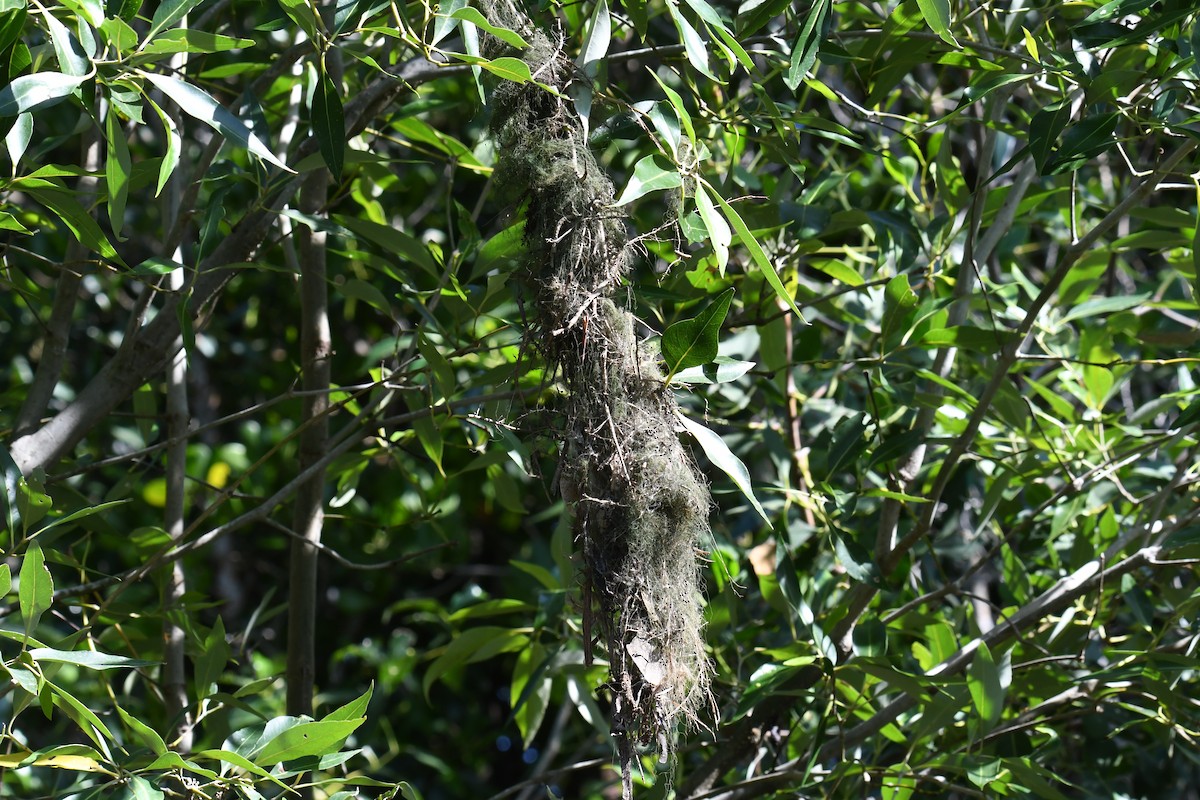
point(212, 659)
point(472, 15)
point(692, 342)
point(1083, 141)
point(724, 459)
point(395, 242)
point(169, 12)
point(694, 45)
point(652, 173)
point(197, 103)
point(67, 50)
point(899, 303)
point(329, 124)
point(88, 659)
point(757, 254)
point(508, 68)
point(719, 370)
point(149, 737)
point(475, 644)
point(808, 43)
point(719, 235)
point(307, 739)
point(118, 167)
point(36, 590)
point(937, 17)
point(67, 208)
point(5, 580)
point(595, 40)
point(37, 91)
point(17, 141)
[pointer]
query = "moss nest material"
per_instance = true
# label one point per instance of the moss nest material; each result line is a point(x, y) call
point(640, 506)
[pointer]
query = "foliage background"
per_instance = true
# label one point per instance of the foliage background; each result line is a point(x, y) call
point(976, 450)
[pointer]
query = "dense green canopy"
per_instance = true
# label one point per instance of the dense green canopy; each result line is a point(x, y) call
point(498, 398)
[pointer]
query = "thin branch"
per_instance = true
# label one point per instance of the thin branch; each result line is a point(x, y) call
point(326, 550)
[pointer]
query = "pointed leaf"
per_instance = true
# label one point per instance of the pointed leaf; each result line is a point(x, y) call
point(651, 174)
point(808, 43)
point(307, 739)
point(117, 168)
point(693, 44)
point(723, 458)
point(987, 690)
point(88, 659)
point(33, 92)
point(355, 709)
point(5, 579)
point(719, 370)
point(167, 14)
point(937, 17)
point(509, 68)
point(596, 40)
point(692, 342)
point(329, 125)
point(36, 592)
point(757, 254)
point(718, 231)
point(472, 15)
point(197, 103)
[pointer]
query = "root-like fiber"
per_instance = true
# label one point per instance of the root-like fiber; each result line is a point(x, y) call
point(640, 506)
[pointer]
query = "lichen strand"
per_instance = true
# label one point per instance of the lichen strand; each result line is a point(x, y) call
point(640, 506)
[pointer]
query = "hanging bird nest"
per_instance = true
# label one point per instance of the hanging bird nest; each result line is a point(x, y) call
point(640, 506)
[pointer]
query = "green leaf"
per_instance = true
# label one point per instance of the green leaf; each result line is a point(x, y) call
point(355, 709)
point(211, 661)
point(117, 169)
point(391, 240)
point(899, 304)
point(17, 141)
point(838, 270)
point(307, 739)
point(142, 789)
point(968, 337)
point(87, 511)
point(595, 40)
point(651, 174)
point(329, 124)
point(71, 59)
point(472, 15)
point(36, 591)
point(937, 17)
point(5, 579)
point(508, 68)
point(186, 40)
point(720, 370)
point(476, 644)
point(37, 91)
point(197, 103)
point(167, 14)
point(757, 254)
point(80, 714)
point(67, 208)
point(808, 43)
point(692, 342)
point(529, 692)
point(719, 234)
point(147, 735)
point(88, 659)
point(693, 45)
point(723, 459)
point(1084, 141)
point(170, 158)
